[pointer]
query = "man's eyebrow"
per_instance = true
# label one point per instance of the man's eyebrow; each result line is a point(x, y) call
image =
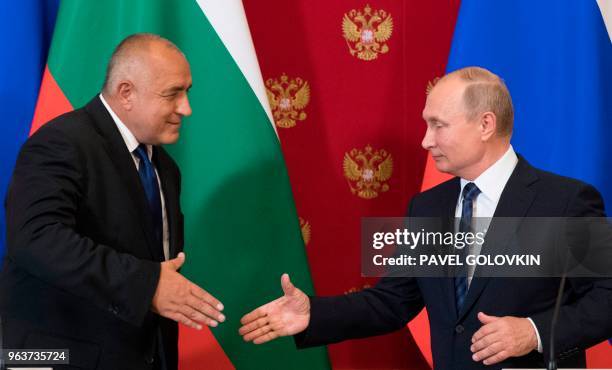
point(176, 88)
point(432, 119)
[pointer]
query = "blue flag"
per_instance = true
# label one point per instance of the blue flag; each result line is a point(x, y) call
point(26, 27)
point(556, 58)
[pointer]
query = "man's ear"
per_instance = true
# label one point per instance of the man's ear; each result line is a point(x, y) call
point(125, 94)
point(488, 125)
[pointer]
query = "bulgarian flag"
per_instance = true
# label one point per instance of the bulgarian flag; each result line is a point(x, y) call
point(241, 228)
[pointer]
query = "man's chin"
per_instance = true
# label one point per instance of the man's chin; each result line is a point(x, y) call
point(169, 139)
point(442, 166)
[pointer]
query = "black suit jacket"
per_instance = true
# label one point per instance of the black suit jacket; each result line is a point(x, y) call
point(81, 269)
point(585, 315)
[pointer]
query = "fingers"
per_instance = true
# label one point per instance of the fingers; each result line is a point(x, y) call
point(252, 316)
point(202, 312)
point(252, 326)
point(255, 329)
point(197, 316)
point(201, 306)
point(193, 313)
point(266, 338)
point(260, 331)
point(484, 342)
point(257, 334)
point(183, 301)
point(205, 296)
point(288, 287)
point(486, 319)
point(177, 262)
point(483, 332)
point(499, 357)
point(490, 349)
point(491, 354)
point(180, 318)
point(501, 338)
point(287, 315)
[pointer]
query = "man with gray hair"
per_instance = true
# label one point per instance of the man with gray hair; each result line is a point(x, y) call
point(476, 322)
point(94, 226)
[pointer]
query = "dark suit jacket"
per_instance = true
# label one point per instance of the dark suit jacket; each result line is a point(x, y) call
point(81, 268)
point(584, 319)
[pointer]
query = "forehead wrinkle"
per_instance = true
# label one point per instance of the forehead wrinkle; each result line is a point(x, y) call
point(447, 98)
point(151, 58)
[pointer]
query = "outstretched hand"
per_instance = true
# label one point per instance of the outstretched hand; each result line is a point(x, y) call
point(183, 301)
point(287, 315)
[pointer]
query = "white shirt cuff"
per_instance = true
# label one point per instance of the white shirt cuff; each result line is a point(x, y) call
point(540, 349)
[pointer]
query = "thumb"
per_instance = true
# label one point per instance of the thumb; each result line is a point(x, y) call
point(486, 319)
point(288, 287)
point(177, 262)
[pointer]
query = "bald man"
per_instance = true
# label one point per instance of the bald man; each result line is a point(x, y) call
point(94, 226)
point(475, 322)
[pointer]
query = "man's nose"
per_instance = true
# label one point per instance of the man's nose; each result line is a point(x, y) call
point(428, 141)
point(184, 108)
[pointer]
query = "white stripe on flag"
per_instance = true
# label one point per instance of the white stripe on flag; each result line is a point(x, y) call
point(229, 21)
point(605, 6)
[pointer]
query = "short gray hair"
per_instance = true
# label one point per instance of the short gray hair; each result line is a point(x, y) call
point(486, 91)
point(124, 52)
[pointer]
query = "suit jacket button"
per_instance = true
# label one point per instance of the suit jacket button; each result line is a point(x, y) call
point(459, 329)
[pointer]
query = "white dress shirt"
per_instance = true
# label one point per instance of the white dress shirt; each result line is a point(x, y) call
point(131, 143)
point(491, 184)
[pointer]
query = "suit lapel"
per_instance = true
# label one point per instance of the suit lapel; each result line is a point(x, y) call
point(515, 201)
point(124, 163)
point(448, 284)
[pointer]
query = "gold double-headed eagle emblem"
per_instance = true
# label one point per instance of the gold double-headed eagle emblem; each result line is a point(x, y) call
point(367, 171)
point(357, 289)
point(366, 32)
point(288, 98)
point(305, 228)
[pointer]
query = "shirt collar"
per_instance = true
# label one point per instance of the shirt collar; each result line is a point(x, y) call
point(130, 140)
point(493, 180)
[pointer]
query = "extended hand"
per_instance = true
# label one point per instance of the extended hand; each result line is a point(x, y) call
point(502, 337)
point(287, 315)
point(182, 301)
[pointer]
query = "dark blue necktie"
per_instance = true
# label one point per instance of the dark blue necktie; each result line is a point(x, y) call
point(151, 188)
point(470, 192)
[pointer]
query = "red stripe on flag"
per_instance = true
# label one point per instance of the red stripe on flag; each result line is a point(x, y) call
point(200, 349)
point(51, 102)
point(600, 356)
point(432, 176)
point(419, 326)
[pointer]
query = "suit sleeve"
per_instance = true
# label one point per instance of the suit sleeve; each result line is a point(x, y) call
point(584, 318)
point(43, 198)
point(387, 307)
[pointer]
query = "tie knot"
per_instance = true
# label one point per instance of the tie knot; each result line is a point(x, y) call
point(141, 153)
point(470, 191)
